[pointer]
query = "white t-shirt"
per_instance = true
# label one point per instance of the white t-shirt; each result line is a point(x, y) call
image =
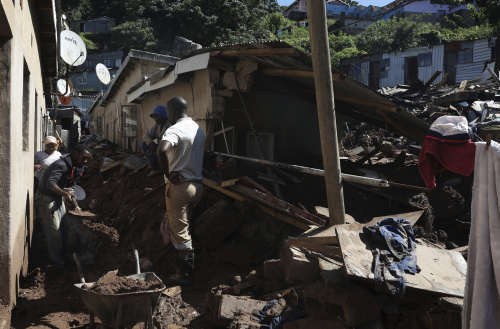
point(45, 161)
point(188, 147)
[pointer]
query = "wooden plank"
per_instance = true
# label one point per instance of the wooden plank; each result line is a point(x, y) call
point(329, 250)
point(297, 73)
point(462, 86)
point(279, 205)
point(278, 215)
point(111, 166)
point(443, 272)
point(329, 236)
point(285, 218)
point(227, 192)
point(260, 52)
point(221, 64)
point(248, 181)
point(442, 82)
point(412, 217)
point(431, 80)
point(172, 291)
point(228, 182)
point(365, 102)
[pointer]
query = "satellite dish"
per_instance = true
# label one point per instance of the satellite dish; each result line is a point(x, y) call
point(73, 49)
point(102, 73)
point(61, 86)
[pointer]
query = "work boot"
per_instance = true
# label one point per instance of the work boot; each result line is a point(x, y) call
point(185, 266)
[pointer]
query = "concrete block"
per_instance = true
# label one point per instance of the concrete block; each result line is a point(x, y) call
point(273, 269)
point(297, 266)
point(216, 224)
point(352, 303)
point(233, 308)
point(313, 323)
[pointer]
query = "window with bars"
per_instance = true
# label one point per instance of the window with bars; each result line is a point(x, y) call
point(129, 121)
point(82, 80)
point(106, 62)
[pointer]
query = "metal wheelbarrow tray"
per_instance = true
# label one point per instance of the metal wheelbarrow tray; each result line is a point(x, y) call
point(122, 309)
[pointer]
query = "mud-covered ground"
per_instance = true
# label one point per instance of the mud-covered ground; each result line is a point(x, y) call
point(130, 208)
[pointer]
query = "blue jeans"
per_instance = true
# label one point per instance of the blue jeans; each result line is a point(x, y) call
point(152, 159)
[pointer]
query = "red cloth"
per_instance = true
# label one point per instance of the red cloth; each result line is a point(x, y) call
point(436, 157)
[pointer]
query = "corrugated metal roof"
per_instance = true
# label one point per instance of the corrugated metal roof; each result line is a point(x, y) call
point(300, 60)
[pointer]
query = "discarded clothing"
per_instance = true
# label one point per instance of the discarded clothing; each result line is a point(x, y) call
point(393, 248)
point(447, 146)
point(278, 322)
point(482, 288)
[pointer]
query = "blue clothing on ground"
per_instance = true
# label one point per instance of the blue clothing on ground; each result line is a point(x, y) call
point(277, 323)
point(152, 159)
point(393, 248)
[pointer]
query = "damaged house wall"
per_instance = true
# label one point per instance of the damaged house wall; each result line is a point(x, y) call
point(108, 113)
point(465, 60)
point(292, 119)
point(22, 93)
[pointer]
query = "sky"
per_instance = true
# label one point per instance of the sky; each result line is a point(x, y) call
point(378, 3)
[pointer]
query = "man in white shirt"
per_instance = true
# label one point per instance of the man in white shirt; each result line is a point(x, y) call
point(180, 155)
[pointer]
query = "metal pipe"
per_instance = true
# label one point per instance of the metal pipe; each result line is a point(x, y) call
point(318, 172)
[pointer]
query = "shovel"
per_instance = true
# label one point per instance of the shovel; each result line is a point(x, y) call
point(78, 211)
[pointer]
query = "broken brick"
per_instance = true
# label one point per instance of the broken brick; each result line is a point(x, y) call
point(297, 266)
point(273, 269)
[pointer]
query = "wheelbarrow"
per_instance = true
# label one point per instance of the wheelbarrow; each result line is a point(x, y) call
point(121, 309)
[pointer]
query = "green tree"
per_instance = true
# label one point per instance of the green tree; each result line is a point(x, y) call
point(134, 35)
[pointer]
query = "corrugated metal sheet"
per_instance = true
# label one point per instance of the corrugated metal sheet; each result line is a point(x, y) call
point(469, 71)
point(438, 61)
point(481, 52)
point(365, 73)
point(301, 62)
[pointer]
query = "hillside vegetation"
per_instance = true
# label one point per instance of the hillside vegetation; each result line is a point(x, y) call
point(151, 25)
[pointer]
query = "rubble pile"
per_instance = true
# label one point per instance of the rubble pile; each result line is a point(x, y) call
point(262, 260)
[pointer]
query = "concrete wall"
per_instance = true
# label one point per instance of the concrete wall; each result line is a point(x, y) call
point(18, 56)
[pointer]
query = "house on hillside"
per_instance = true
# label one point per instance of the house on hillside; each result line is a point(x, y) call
point(273, 81)
point(297, 11)
point(405, 8)
point(98, 25)
point(463, 60)
point(85, 77)
point(28, 63)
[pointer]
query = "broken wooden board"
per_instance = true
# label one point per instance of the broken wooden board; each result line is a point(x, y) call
point(228, 182)
point(443, 272)
point(327, 235)
point(172, 291)
point(324, 249)
point(111, 166)
point(278, 204)
point(250, 182)
point(412, 217)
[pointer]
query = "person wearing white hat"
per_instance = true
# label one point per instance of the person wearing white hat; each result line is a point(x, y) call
point(43, 159)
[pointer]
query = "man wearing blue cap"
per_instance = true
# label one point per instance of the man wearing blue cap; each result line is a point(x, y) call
point(152, 137)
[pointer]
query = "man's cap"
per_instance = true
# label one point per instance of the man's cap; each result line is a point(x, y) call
point(50, 140)
point(160, 110)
